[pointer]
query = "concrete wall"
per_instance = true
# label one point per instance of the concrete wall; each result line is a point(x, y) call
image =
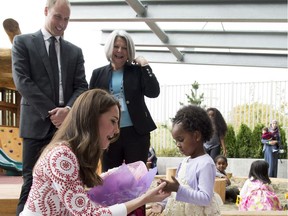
point(237, 166)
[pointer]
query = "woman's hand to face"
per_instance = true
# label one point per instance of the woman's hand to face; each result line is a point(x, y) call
point(141, 61)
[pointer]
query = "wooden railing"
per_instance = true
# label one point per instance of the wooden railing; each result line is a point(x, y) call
point(9, 107)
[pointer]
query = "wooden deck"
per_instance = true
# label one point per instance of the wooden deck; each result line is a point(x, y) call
point(10, 187)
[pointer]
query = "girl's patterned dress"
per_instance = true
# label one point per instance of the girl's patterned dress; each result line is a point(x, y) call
point(174, 207)
point(259, 197)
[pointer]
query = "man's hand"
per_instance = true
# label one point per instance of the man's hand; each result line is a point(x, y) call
point(58, 115)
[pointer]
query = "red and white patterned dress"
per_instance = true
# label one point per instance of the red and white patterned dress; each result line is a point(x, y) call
point(57, 188)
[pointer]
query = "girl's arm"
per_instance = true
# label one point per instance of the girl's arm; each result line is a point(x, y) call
point(201, 185)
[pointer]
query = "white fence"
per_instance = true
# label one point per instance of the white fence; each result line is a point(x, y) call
point(249, 103)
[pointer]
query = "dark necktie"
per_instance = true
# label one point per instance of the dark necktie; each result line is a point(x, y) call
point(55, 68)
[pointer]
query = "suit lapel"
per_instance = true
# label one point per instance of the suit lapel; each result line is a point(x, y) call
point(41, 48)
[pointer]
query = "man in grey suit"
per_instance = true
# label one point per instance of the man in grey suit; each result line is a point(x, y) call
point(48, 89)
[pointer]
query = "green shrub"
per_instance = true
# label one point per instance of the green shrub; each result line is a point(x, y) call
point(230, 142)
point(169, 152)
point(243, 142)
point(284, 143)
point(256, 144)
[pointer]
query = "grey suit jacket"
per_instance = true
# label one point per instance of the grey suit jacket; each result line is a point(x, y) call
point(33, 77)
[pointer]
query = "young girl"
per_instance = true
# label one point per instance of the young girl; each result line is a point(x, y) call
point(257, 194)
point(195, 176)
point(221, 165)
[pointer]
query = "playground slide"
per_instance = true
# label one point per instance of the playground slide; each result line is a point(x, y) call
point(11, 166)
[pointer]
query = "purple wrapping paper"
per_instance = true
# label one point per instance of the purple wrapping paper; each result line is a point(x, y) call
point(122, 184)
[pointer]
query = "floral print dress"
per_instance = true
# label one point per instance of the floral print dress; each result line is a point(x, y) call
point(258, 197)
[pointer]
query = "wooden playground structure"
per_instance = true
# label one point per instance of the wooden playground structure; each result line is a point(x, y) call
point(10, 142)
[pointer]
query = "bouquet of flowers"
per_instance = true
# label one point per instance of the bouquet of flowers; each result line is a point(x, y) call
point(122, 184)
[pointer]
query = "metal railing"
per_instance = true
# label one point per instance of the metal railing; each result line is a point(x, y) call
point(250, 103)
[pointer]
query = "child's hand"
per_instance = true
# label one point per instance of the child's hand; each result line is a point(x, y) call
point(171, 186)
point(228, 182)
point(156, 208)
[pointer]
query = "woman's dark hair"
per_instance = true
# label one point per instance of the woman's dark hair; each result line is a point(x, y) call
point(194, 118)
point(219, 122)
point(259, 171)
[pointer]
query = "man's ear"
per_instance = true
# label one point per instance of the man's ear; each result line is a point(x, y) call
point(46, 11)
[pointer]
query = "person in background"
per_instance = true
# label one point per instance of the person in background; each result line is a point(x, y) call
point(213, 146)
point(68, 164)
point(48, 87)
point(129, 79)
point(152, 158)
point(257, 193)
point(275, 131)
point(267, 135)
point(271, 153)
point(221, 165)
point(192, 188)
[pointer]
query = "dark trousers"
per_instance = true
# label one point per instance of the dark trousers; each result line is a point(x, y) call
point(130, 147)
point(31, 151)
point(213, 152)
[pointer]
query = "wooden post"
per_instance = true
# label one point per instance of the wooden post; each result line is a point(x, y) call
point(11, 27)
point(220, 187)
point(170, 171)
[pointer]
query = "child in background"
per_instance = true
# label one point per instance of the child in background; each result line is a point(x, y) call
point(193, 186)
point(257, 193)
point(231, 191)
point(152, 158)
point(267, 135)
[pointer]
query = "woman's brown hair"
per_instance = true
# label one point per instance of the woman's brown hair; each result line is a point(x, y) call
point(81, 130)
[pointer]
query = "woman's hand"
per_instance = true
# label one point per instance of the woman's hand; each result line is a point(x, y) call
point(156, 194)
point(273, 142)
point(141, 61)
